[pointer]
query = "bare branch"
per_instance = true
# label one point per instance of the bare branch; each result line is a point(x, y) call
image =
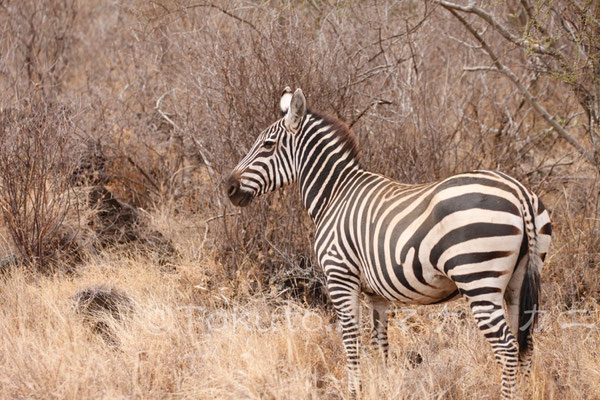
point(480, 68)
point(199, 146)
point(233, 214)
point(367, 108)
point(205, 160)
point(487, 17)
point(452, 8)
point(144, 174)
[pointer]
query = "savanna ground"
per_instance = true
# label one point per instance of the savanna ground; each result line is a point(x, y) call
point(120, 120)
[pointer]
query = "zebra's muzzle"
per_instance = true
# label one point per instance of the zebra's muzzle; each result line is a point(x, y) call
point(238, 196)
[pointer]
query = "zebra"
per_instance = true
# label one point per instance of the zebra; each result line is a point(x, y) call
point(480, 235)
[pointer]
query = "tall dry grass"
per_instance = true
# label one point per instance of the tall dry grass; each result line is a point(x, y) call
point(194, 333)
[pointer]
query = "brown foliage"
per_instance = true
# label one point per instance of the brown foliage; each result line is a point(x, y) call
point(174, 92)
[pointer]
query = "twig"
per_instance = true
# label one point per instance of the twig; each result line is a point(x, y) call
point(205, 160)
point(556, 164)
point(409, 31)
point(314, 4)
point(412, 52)
point(487, 17)
point(480, 68)
point(199, 146)
point(143, 173)
point(367, 108)
point(206, 221)
point(165, 116)
point(286, 258)
point(229, 14)
point(233, 214)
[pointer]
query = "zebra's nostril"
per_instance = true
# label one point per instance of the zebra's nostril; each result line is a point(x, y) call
point(238, 195)
point(232, 186)
point(232, 189)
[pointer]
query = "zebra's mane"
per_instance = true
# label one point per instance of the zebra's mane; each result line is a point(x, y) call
point(342, 132)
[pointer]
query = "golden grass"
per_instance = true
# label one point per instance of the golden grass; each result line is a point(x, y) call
point(196, 334)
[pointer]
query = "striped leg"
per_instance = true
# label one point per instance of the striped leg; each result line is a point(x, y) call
point(379, 319)
point(347, 307)
point(491, 320)
point(525, 358)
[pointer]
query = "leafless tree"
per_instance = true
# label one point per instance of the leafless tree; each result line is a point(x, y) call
point(560, 40)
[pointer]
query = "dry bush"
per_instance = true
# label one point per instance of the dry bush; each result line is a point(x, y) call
point(571, 276)
point(37, 157)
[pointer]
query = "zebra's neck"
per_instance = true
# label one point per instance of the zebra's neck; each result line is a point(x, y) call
point(326, 157)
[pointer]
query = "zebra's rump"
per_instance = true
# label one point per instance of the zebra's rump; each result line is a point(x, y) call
point(420, 244)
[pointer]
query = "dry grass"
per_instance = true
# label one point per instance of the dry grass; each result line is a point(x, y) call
point(194, 333)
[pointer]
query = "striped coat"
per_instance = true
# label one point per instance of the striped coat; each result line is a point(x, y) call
point(480, 235)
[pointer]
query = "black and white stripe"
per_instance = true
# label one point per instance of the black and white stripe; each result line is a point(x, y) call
point(480, 235)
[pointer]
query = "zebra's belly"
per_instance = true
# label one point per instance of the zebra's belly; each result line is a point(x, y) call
point(439, 287)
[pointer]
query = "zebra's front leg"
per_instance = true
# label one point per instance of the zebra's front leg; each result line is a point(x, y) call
point(379, 318)
point(345, 298)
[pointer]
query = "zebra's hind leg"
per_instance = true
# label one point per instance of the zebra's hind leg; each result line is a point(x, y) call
point(512, 297)
point(525, 358)
point(378, 307)
point(491, 319)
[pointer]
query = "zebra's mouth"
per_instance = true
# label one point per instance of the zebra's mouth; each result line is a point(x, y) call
point(238, 196)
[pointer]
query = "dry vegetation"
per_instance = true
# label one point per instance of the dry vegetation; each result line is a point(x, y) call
point(119, 121)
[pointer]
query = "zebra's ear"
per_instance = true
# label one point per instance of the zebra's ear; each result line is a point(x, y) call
point(296, 111)
point(286, 98)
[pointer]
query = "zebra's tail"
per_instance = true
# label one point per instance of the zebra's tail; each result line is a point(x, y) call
point(530, 289)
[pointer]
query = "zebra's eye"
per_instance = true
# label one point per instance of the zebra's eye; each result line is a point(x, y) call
point(269, 144)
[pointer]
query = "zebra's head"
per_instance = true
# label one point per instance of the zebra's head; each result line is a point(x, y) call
point(270, 164)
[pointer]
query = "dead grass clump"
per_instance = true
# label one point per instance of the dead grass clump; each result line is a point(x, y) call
point(98, 305)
